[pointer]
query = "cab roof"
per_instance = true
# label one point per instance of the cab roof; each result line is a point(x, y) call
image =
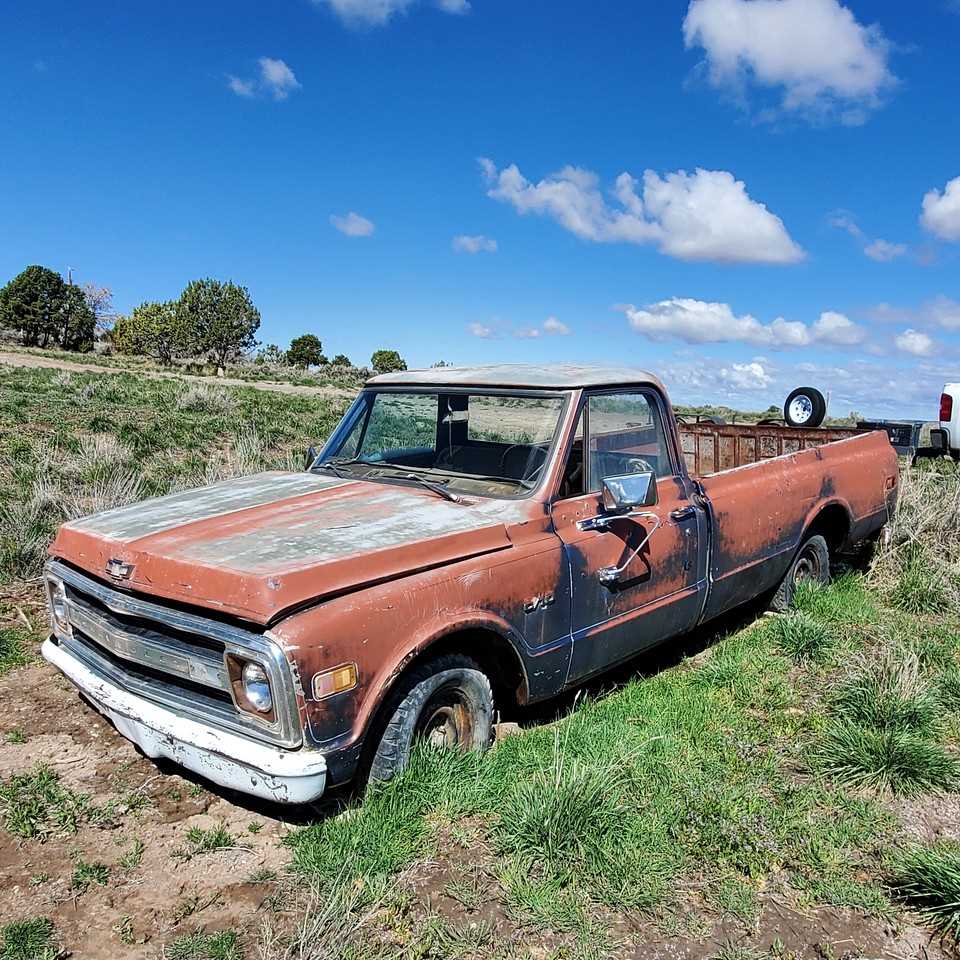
point(559, 376)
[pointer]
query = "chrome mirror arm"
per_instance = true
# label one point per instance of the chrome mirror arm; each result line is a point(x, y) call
point(612, 574)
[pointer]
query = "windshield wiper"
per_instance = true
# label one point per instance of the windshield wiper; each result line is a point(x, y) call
point(424, 482)
point(336, 463)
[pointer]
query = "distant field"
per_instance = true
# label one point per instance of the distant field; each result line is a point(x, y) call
point(772, 787)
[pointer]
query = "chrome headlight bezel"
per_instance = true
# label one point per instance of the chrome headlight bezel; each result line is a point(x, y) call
point(58, 609)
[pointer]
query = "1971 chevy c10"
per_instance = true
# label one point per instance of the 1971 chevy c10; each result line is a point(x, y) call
point(466, 538)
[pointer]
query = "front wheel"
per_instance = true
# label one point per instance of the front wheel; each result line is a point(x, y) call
point(810, 565)
point(446, 702)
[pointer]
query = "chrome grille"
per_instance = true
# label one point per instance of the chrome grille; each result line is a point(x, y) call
point(173, 658)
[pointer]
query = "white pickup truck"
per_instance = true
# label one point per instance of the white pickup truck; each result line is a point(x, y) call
point(950, 419)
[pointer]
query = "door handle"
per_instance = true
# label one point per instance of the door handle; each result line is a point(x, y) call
point(682, 513)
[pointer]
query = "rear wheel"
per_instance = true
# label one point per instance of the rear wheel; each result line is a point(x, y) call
point(810, 565)
point(447, 702)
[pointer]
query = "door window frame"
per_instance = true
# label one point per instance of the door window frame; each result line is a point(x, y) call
point(658, 409)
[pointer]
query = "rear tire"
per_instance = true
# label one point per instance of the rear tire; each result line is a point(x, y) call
point(811, 564)
point(447, 701)
point(805, 408)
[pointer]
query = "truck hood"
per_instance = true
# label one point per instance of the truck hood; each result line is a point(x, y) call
point(256, 546)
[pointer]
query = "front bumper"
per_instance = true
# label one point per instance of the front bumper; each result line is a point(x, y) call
point(231, 761)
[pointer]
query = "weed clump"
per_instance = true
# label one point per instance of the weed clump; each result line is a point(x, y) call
point(800, 637)
point(885, 726)
point(928, 879)
point(29, 940)
point(36, 805)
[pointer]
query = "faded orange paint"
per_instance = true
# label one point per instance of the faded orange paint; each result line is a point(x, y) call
point(370, 573)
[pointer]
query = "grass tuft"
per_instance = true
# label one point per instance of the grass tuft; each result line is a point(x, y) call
point(222, 945)
point(35, 805)
point(801, 637)
point(28, 940)
point(928, 879)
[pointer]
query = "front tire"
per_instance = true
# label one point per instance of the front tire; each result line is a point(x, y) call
point(448, 702)
point(810, 565)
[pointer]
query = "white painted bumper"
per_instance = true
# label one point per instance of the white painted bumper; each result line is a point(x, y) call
point(286, 776)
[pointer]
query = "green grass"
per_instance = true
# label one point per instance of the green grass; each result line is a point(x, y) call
point(801, 637)
point(885, 728)
point(72, 445)
point(85, 874)
point(14, 646)
point(223, 945)
point(29, 940)
point(207, 840)
point(36, 805)
point(928, 879)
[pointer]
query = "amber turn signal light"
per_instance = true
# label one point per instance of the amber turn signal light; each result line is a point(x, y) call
point(333, 681)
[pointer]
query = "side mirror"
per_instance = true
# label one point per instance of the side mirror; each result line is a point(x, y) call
point(311, 455)
point(625, 493)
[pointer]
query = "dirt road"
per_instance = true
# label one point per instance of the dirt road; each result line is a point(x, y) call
point(13, 359)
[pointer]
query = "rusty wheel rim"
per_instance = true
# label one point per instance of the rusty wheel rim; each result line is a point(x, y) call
point(807, 568)
point(446, 722)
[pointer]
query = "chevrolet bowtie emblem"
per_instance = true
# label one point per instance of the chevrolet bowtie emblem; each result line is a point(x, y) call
point(119, 570)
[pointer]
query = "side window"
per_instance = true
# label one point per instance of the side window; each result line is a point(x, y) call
point(573, 481)
point(626, 436)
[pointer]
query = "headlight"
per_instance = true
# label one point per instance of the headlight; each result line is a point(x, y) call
point(57, 607)
point(256, 688)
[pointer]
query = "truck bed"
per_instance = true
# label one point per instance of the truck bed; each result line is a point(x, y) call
point(710, 448)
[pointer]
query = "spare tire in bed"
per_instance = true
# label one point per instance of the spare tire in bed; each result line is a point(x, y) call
point(805, 407)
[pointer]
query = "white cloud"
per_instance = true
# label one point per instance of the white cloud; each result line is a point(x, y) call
point(746, 376)
point(242, 88)
point(940, 311)
point(814, 51)
point(480, 330)
point(353, 225)
point(276, 80)
point(696, 321)
point(463, 243)
point(706, 215)
point(550, 327)
point(884, 252)
point(915, 342)
point(880, 250)
point(554, 327)
point(941, 211)
point(377, 13)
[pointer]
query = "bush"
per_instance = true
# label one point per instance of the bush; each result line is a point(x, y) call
point(221, 317)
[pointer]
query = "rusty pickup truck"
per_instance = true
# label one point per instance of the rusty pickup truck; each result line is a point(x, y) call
point(468, 539)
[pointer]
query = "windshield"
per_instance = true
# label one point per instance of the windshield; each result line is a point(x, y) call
point(486, 443)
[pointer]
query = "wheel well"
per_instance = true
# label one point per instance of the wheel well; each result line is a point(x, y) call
point(833, 524)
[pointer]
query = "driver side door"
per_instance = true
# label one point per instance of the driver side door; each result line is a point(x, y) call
point(659, 590)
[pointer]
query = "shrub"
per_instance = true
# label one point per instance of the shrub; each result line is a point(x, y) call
point(206, 398)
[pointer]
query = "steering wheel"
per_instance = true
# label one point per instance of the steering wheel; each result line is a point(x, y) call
point(639, 465)
point(533, 474)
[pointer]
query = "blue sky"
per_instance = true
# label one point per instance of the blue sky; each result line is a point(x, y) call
point(782, 235)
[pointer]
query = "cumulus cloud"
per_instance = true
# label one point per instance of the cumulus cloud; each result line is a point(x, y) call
point(480, 330)
point(746, 376)
point(353, 225)
point(463, 243)
point(554, 327)
point(275, 79)
point(883, 252)
point(941, 211)
point(697, 321)
point(814, 53)
point(377, 13)
point(915, 342)
point(706, 215)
